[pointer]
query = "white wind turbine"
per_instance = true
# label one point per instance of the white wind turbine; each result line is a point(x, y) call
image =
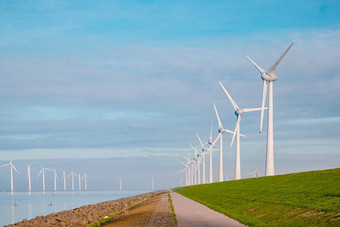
point(238, 112)
point(192, 171)
point(197, 163)
point(79, 182)
point(72, 178)
point(203, 158)
point(221, 130)
point(153, 183)
point(55, 176)
point(187, 173)
point(64, 179)
point(29, 176)
point(85, 180)
point(255, 173)
point(12, 167)
point(120, 183)
point(269, 77)
point(42, 171)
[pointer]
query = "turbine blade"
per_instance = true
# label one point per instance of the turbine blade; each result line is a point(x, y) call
point(192, 147)
point(15, 169)
point(5, 165)
point(264, 93)
point(199, 139)
point(253, 109)
point(230, 98)
point(213, 144)
point(273, 68)
point(218, 118)
point(40, 172)
point(229, 131)
point(236, 127)
point(258, 67)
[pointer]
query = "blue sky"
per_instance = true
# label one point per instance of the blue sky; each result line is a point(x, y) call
point(92, 81)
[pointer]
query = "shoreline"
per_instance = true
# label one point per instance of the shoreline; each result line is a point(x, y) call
point(88, 214)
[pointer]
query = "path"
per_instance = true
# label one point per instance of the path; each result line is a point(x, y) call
point(191, 213)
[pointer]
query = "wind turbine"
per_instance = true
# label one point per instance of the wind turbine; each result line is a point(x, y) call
point(268, 78)
point(255, 173)
point(64, 179)
point(120, 183)
point(85, 180)
point(29, 176)
point(221, 130)
point(197, 164)
point(152, 183)
point(42, 171)
point(79, 181)
point(72, 177)
point(238, 112)
point(55, 178)
point(210, 149)
point(12, 167)
point(187, 173)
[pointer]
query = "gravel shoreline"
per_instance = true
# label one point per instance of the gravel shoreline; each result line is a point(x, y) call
point(86, 215)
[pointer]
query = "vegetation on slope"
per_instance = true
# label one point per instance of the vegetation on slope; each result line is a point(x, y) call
point(299, 199)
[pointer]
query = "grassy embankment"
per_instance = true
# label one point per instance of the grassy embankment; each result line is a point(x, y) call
point(299, 199)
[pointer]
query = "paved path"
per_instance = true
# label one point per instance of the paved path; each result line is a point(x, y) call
point(191, 213)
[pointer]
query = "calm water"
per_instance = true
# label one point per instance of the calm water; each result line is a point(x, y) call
point(20, 205)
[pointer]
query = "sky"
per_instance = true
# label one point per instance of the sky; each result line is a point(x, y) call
point(119, 88)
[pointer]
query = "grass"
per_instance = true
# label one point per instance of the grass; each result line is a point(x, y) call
point(172, 209)
point(299, 199)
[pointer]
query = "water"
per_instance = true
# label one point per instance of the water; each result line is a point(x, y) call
point(20, 205)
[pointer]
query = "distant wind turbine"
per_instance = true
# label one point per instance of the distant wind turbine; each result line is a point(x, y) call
point(269, 77)
point(55, 176)
point(42, 171)
point(64, 179)
point(238, 112)
point(85, 180)
point(29, 176)
point(12, 167)
point(79, 182)
point(72, 178)
point(152, 183)
point(120, 183)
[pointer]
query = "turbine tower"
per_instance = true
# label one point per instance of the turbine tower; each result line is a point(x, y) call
point(64, 179)
point(72, 177)
point(85, 180)
point(221, 130)
point(268, 78)
point(55, 175)
point(238, 112)
point(12, 167)
point(29, 176)
point(152, 183)
point(42, 171)
point(79, 181)
point(120, 183)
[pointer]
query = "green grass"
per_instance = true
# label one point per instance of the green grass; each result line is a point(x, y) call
point(299, 199)
point(172, 209)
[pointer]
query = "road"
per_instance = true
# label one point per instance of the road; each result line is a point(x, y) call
point(191, 213)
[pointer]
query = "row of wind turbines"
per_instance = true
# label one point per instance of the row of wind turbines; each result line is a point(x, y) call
point(55, 177)
point(192, 166)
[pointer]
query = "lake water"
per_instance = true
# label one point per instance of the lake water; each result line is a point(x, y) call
point(20, 205)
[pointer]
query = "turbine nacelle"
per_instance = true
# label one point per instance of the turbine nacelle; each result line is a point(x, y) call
point(239, 112)
point(210, 141)
point(269, 77)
